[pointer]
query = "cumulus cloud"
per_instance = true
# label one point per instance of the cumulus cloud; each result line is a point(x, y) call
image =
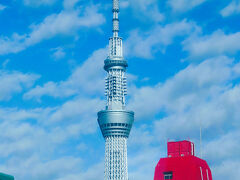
point(227, 169)
point(36, 3)
point(94, 172)
point(143, 161)
point(2, 7)
point(69, 4)
point(50, 169)
point(58, 53)
point(193, 94)
point(5, 63)
point(145, 44)
point(64, 23)
point(30, 134)
point(16, 114)
point(229, 147)
point(87, 78)
point(231, 9)
point(218, 43)
point(212, 111)
point(73, 109)
point(15, 82)
point(124, 4)
point(184, 5)
point(148, 8)
point(146, 136)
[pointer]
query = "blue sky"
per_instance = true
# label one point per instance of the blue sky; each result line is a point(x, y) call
point(184, 71)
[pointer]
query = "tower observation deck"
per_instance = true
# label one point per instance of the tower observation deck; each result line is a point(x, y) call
point(115, 121)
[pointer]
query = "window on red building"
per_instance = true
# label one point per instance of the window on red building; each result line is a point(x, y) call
point(168, 175)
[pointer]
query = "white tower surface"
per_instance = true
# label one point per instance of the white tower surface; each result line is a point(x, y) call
point(115, 122)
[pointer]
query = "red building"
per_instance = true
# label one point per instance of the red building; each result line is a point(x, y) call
point(182, 164)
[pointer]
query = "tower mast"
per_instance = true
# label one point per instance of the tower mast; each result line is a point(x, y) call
point(115, 11)
point(115, 122)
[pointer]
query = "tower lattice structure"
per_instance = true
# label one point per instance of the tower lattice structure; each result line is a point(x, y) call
point(115, 121)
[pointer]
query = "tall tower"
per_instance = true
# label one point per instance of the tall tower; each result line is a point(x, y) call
point(115, 122)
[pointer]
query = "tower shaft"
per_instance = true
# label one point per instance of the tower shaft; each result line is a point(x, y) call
point(116, 158)
point(115, 122)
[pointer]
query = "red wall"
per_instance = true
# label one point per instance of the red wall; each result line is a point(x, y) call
point(181, 148)
point(182, 163)
point(183, 168)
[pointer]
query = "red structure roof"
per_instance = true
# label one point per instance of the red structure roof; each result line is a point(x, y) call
point(182, 164)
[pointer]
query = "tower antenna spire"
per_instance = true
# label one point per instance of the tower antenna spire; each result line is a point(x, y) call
point(115, 122)
point(200, 138)
point(115, 10)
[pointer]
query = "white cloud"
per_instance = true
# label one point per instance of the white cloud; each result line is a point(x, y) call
point(92, 173)
point(73, 109)
point(44, 169)
point(17, 123)
point(184, 5)
point(218, 43)
point(145, 44)
point(2, 7)
point(142, 163)
point(13, 44)
point(15, 82)
point(36, 3)
point(19, 138)
point(146, 9)
point(146, 137)
point(229, 147)
point(210, 111)
point(229, 169)
point(5, 63)
point(124, 4)
point(193, 94)
point(16, 114)
point(59, 53)
point(64, 23)
point(29, 135)
point(69, 4)
point(87, 79)
point(231, 9)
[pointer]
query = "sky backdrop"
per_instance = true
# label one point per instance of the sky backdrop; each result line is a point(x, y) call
point(184, 71)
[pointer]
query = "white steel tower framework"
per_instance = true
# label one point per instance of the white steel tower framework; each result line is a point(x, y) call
point(115, 122)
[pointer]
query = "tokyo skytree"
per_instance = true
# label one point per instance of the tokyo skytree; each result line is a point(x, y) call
point(115, 122)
